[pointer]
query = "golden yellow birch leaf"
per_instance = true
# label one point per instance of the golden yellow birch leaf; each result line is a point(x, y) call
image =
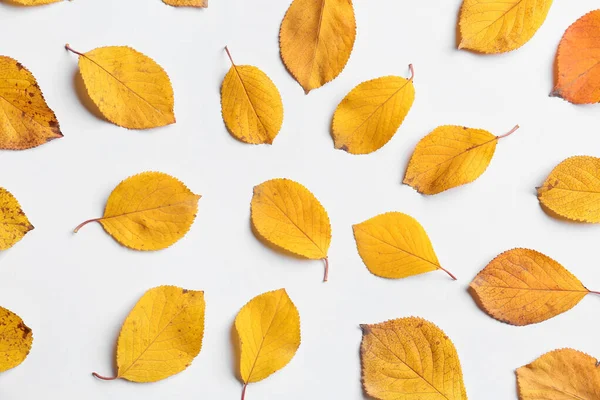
point(523, 287)
point(268, 328)
point(572, 190)
point(161, 335)
point(289, 216)
point(26, 121)
point(33, 2)
point(129, 88)
point(410, 358)
point(563, 374)
point(395, 245)
point(148, 211)
point(498, 26)
point(14, 224)
point(450, 156)
point(15, 340)
point(187, 3)
point(316, 39)
point(371, 113)
point(251, 104)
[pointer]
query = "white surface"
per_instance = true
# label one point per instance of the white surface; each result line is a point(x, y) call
point(74, 291)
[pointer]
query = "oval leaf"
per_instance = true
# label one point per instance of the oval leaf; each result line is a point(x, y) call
point(572, 190)
point(161, 335)
point(268, 327)
point(410, 358)
point(148, 211)
point(34, 2)
point(15, 340)
point(394, 245)
point(26, 121)
point(371, 113)
point(578, 62)
point(187, 3)
point(289, 216)
point(316, 39)
point(251, 104)
point(523, 287)
point(498, 26)
point(14, 224)
point(450, 156)
point(129, 88)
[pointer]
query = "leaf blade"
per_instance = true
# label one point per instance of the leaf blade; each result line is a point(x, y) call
point(14, 224)
point(15, 340)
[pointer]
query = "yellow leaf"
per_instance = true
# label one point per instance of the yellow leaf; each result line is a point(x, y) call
point(564, 374)
point(187, 3)
point(316, 39)
point(498, 26)
point(371, 113)
point(161, 335)
point(34, 2)
point(268, 327)
point(26, 121)
point(522, 287)
point(394, 245)
point(130, 89)
point(15, 340)
point(450, 156)
point(148, 211)
point(289, 216)
point(410, 358)
point(13, 221)
point(572, 190)
point(251, 104)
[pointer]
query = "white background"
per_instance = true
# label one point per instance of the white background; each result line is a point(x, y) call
point(74, 291)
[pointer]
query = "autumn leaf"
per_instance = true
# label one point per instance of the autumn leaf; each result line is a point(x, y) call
point(288, 216)
point(130, 89)
point(161, 335)
point(251, 104)
point(394, 245)
point(578, 62)
point(498, 26)
point(572, 190)
point(523, 287)
point(26, 121)
point(14, 224)
point(316, 39)
point(268, 328)
point(34, 2)
point(15, 340)
point(148, 211)
point(371, 113)
point(450, 156)
point(187, 3)
point(410, 358)
point(562, 374)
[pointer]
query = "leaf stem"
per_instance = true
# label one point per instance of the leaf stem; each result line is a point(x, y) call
point(412, 72)
point(326, 259)
point(244, 391)
point(449, 273)
point(229, 54)
point(85, 223)
point(509, 133)
point(593, 292)
point(68, 47)
point(95, 375)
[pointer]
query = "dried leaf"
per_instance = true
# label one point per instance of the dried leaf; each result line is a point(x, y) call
point(498, 26)
point(289, 216)
point(394, 245)
point(15, 340)
point(34, 2)
point(371, 113)
point(572, 190)
point(13, 221)
point(26, 121)
point(148, 211)
point(450, 156)
point(316, 39)
point(187, 3)
point(251, 104)
point(564, 374)
point(578, 62)
point(268, 327)
point(410, 358)
point(161, 335)
point(523, 287)
point(130, 89)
